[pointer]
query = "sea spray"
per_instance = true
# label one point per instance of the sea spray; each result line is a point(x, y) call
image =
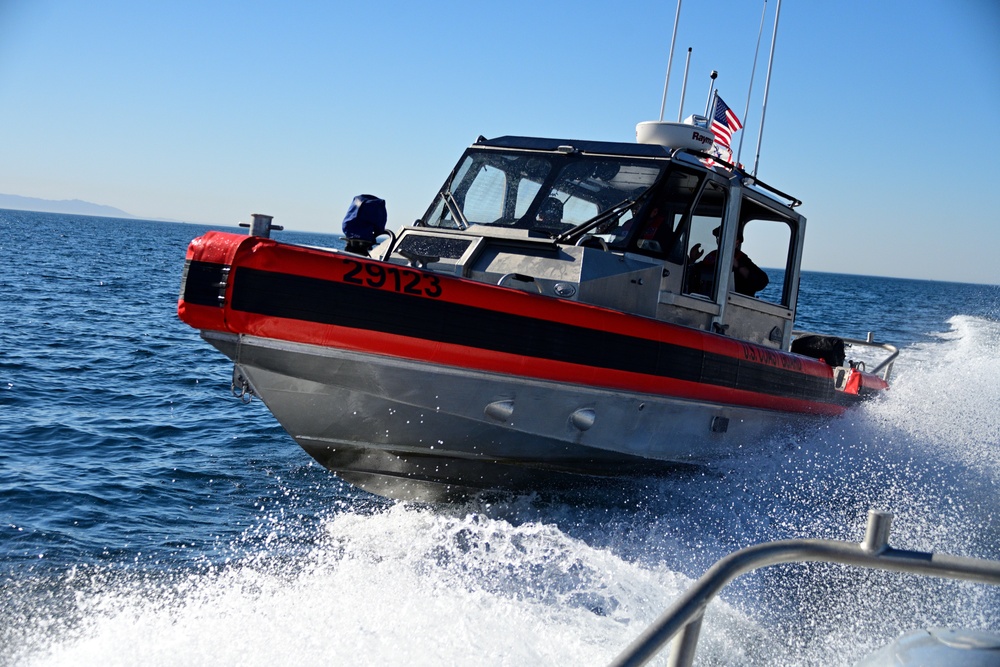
point(400, 586)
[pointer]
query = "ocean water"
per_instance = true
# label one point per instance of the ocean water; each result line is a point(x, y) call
point(149, 517)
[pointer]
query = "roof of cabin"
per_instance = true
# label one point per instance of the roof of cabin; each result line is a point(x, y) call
point(603, 147)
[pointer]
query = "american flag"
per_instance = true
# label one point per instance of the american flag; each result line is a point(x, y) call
point(720, 152)
point(724, 123)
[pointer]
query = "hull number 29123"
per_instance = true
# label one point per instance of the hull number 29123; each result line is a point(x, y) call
point(382, 276)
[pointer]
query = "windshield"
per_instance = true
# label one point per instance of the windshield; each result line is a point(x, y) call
point(545, 192)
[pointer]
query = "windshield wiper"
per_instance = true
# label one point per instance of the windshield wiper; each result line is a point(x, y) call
point(615, 211)
point(454, 209)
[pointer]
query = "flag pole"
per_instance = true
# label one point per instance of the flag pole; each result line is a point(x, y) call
point(684, 86)
point(710, 114)
point(753, 71)
point(767, 86)
point(670, 60)
point(710, 102)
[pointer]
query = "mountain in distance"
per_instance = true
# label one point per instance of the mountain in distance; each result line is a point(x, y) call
point(71, 206)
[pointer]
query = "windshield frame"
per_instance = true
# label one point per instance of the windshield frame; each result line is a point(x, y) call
point(592, 189)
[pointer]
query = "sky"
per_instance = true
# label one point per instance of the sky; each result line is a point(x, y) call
point(881, 116)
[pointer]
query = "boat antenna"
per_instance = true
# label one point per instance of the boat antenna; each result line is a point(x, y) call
point(708, 102)
point(684, 86)
point(670, 60)
point(767, 87)
point(753, 71)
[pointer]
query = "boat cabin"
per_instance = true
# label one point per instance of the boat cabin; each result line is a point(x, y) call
point(641, 228)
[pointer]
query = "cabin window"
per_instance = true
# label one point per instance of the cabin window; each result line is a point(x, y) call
point(575, 209)
point(768, 240)
point(528, 175)
point(702, 246)
point(661, 233)
point(489, 188)
point(586, 187)
point(548, 193)
point(484, 196)
point(527, 190)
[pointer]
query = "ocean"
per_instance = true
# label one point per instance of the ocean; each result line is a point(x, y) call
point(147, 516)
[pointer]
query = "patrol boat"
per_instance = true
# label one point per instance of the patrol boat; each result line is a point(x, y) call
point(562, 312)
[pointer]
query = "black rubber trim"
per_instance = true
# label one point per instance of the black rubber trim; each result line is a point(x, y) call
point(201, 282)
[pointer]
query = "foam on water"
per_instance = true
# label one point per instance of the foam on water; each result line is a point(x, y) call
point(400, 586)
point(951, 395)
point(555, 581)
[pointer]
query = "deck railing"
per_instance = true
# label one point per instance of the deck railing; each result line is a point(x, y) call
point(684, 618)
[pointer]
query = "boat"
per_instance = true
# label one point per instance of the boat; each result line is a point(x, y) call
point(557, 316)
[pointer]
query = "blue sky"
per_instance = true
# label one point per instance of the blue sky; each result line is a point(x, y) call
point(881, 116)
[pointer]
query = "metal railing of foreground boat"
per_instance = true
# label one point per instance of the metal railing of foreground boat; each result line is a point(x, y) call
point(684, 618)
point(884, 368)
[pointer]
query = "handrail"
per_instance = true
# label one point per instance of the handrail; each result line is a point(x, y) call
point(684, 618)
point(885, 367)
point(520, 278)
point(747, 178)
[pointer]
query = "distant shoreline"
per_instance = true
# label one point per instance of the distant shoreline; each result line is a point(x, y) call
point(70, 206)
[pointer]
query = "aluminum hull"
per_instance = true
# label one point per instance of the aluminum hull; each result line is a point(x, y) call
point(430, 432)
